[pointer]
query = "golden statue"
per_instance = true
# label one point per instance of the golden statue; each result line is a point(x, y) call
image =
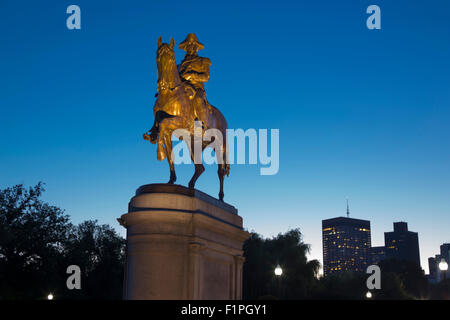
point(195, 71)
point(181, 102)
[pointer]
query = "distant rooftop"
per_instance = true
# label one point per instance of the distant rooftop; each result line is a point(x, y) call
point(345, 221)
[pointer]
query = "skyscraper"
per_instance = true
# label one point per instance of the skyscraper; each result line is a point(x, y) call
point(436, 274)
point(402, 244)
point(433, 277)
point(445, 252)
point(346, 244)
point(377, 254)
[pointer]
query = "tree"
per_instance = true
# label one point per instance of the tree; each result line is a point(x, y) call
point(400, 280)
point(32, 234)
point(99, 252)
point(392, 288)
point(263, 255)
point(342, 286)
point(440, 290)
point(352, 286)
point(38, 243)
point(410, 274)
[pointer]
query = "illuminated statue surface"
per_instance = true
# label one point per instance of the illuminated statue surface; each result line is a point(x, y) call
point(182, 104)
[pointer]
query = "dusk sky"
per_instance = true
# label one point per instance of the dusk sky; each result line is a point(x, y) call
point(362, 114)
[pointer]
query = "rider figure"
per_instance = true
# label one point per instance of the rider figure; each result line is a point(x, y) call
point(194, 70)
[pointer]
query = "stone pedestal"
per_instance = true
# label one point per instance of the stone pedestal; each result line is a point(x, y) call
point(182, 244)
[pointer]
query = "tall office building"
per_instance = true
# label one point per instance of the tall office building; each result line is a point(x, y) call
point(402, 244)
point(436, 274)
point(346, 244)
point(445, 252)
point(377, 254)
point(433, 277)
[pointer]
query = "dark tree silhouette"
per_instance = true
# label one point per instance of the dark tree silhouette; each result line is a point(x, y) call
point(263, 255)
point(440, 290)
point(32, 234)
point(99, 251)
point(400, 280)
point(38, 243)
point(410, 274)
point(342, 286)
point(352, 286)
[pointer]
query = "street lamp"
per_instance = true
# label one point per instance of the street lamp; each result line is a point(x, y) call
point(278, 271)
point(368, 295)
point(50, 297)
point(443, 266)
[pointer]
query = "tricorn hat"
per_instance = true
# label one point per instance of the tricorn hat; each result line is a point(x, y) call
point(191, 38)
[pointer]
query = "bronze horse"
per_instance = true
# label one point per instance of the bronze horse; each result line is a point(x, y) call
point(174, 109)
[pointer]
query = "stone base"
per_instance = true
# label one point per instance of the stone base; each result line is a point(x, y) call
point(182, 244)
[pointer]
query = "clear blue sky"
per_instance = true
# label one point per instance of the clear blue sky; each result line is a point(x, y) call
point(362, 114)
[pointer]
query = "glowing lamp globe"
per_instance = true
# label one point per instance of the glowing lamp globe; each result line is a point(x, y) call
point(278, 271)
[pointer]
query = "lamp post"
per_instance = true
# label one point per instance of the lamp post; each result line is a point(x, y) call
point(278, 272)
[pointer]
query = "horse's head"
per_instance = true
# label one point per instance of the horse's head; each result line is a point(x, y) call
point(167, 67)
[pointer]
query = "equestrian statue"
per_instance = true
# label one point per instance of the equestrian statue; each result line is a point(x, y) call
point(181, 104)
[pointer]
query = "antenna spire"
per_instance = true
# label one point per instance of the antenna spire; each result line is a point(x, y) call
point(348, 210)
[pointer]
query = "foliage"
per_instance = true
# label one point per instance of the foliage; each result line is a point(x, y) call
point(410, 275)
point(440, 290)
point(352, 286)
point(32, 234)
point(263, 255)
point(400, 280)
point(341, 286)
point(99, 251)
point(38, 243)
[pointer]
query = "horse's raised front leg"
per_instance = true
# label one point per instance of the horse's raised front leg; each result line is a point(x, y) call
point(167, 126)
